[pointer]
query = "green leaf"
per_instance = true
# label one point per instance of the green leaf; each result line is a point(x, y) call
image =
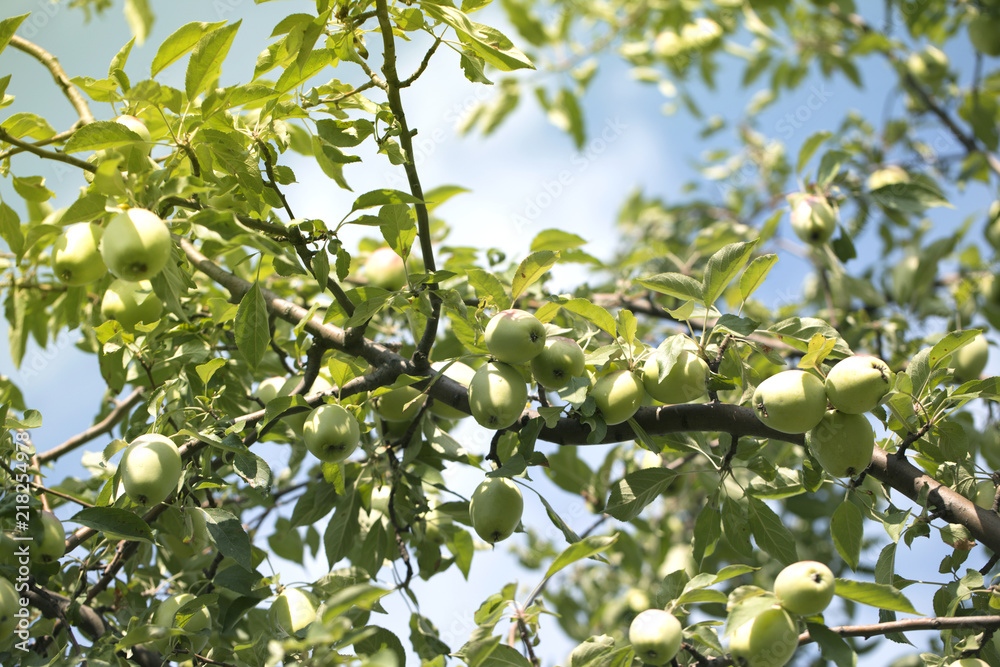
point(809, 147)
point(755, 274)
point(798, 331)
point(7, 29)
point(100, 135)
point(229, 536)
point(585, 548)
point(596, 315)
point(381, 198)
point(487, 286)
point(207, 370)
point(179, 43)
point(530, 270)
point(88, 207)
point(636, 490)
point(770, 533)
point(676, 285)
point(10, 230)
point(736, 526)
point(205, 64)
point(505, 656)
point(723, 266)
point(830, 166)
point(487, 43)
point(139, 17)
point(832, 646)
point(876, 595)
point(116, 524)
point(847, 529)
point(253, 336)
point(343, 528)
point(295, 75)
point(944, 348)
point(556, 240)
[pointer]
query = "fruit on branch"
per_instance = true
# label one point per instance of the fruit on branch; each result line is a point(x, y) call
point(460, 373)
point(269, 389)
point(76, 258)
point(198, 619)
point(858, 384)
point(151, 468)
point(10, 605)
point(969, 662)
point(496, 508)
point(655, 636)
point(969, 361)
point(984, 33)
point(685, 380)
point(276, 387)
point(560, 360)
point(842, 443)
point(887, 177)
point(928, 66)
point(385, 269)
point(805, 588)
point(618, 395)
point(515, 336)
point(131, 303)
point(293, 610)
point(497, 395)
point(400, 405)
point(52, 546)
point(331, 433)
point(139, 149)
point(767, 640)
point(136, 245)
point(790, 401)
point(813, 219)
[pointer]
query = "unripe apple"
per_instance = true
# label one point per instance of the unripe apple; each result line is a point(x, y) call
point(139, 149)
point(984, 33)
point(805, 588)
point(460, 373)
point(655, 636)
point(790, 401)
point(136, 245)
point(515, 336)
point(52, 546)
point(401, 404)
point(970, 662)
point(76, 258)
point(618, 395)
point(385, 269)
point(887, 176)
point(269, 389)
point(969, 361)
point(929, 66)
point(685, 381)
point(560, 360)
point(293, 611)
point(10, 605)
point(199, 620)
point(497, 395)
point(842, 443)
point(131, 303)
point(813, 219)
point(767, 640)
point(331, 433)
point(496, 508)
point(858, 384)
point(151, 467)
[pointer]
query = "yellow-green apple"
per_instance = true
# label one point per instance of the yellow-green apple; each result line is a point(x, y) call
point(331, 433)
point(401, 404)
point(496, 508)
point(76, 258)
point(842, 443)
point(139, 149)
point(805, 588)
point(385, 269)
point(460, 373)
point(618, 395)
point(560, 360)
point(655, 636)
point(887, 176)
point(497, 395)
point(970, 662)
point(269, 389)
point(52, 545)
point(293, 610)
point(791, 401)
point(813, 219)
point(515, 336)
point(767, 640)
point(684, 381)
point(928, 66)
point(10, 605)
point(984, 33)
point(136, 244)
point(131, 303)
point(969, 361)
point(193, 620)
point(858, 384)
point(151, 468)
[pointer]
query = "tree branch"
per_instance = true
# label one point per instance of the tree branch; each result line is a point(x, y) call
point(97, 429)
point(59, 74)
point(47, 155)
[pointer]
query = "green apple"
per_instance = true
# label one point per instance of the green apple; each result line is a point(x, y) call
point(929, 66)
point(401, 404)
point(197, 620)
point(10, 605)
point(790, 401)
point(685, 381)
point(269, 389)
point(496, 508)
point(131, 303)
point(970, 662)
point(858, 384)
point(655, 636)
point(805, 588)
point(560, 360)
point(813, 219)
point(52, 546)
point(139, 150)
point(497, 395)
point(984, 33)
point(515, 336)
point(151, 468)
point(136, 245)
point(76, 258)
point(969, 361)
point(767, 640)
point(887, 177)
point(842, 443)
point(331, 433)
point(460, 373)
point(293, 610)
point(618, 395)
point(385, 269)
point(8, 549)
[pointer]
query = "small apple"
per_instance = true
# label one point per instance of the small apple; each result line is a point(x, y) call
point(52, 546)
point(929, 66)
point(269, 389)
point(198, 619)
point(767, 640)
point(813, 219)
point(984, 33)
point(76, 259)
point(293, 610)
point(969, 662)
point(685, 381)
point(136, 245)
point(858, 384)
point(887, 177)
point(385, 269)
point(618, 395)
point(331, 433)
point(655, 636)
point(131, 303)
point(515, 336)
point(10, 605)
point(140, 149)
point(805, 588)
point(497, 395)
point(560, 360)
point(495, 509)
point(969, 361)
point(401, 404)
point(151, 467)
point(460, 373)
point(790, 401)
point(842, 443)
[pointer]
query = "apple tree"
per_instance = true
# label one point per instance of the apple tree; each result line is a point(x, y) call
point(767, 457)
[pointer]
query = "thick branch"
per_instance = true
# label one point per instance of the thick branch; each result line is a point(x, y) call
point(942, 623)
point(97, 429)
point(52, 63)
